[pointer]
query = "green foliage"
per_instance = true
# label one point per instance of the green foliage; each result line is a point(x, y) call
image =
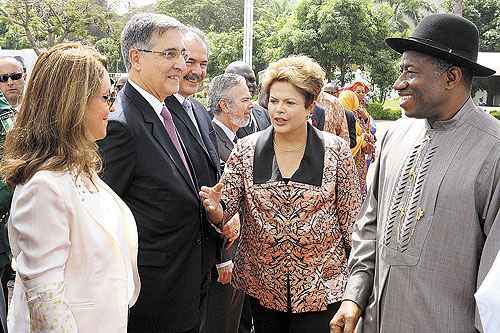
point(495, 114)
point(378, 112)
point(486, 16)
point(408, 13)
point(225, 47)
point(45, 23)
point(110, 48)
point(207, 15)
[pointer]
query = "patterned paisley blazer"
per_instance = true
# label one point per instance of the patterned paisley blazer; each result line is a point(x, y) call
point(292, 254)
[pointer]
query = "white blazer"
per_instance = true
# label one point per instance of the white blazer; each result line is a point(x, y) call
point(58, 233)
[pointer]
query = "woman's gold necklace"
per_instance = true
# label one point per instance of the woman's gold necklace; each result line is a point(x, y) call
point(289, 150)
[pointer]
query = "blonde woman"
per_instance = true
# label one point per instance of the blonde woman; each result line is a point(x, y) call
point(73, 239)
point(301, 197)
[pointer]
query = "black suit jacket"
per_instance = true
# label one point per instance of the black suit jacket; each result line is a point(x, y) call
point(142, 165)
point(203, 154)
point(262, 121)
point(351, 125)
point(225, 147)
point(318, 117)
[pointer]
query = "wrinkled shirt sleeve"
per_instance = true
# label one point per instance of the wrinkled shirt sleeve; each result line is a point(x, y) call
point(40, 220)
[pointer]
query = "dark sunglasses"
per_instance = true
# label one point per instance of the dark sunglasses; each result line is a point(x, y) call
point(13, 77)
point(109, 99)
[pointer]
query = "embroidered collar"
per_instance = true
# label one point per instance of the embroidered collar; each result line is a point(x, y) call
point(454, 122)
point(310, 170)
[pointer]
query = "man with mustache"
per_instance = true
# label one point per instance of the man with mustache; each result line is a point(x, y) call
point(429, 229)
point(195, 128)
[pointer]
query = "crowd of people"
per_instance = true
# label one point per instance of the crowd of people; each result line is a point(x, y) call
point(135, 208)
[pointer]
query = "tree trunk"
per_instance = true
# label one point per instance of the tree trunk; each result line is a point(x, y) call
point(458, 8)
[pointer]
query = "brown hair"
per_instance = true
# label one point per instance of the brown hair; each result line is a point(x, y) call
point(49, 132)
point(301, 71)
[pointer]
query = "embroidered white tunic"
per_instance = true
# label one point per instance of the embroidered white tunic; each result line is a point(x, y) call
point(430, 228)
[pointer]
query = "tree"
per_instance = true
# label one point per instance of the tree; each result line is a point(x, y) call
point(408, 13)
point(207, 15)
point(225, 47)
point(485, 14)
point(340, 34)
point(382, 64)
point(46, 23)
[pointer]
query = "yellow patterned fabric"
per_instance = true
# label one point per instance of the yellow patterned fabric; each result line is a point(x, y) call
point(349, 100)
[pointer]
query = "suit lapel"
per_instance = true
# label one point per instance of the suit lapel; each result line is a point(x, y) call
point(158, 132)
point(91, 205)
point(221, 135)
point(207, 130)
point(183, 118)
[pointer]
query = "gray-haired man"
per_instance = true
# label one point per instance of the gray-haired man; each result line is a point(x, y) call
point(146, 163)
point(230, 100)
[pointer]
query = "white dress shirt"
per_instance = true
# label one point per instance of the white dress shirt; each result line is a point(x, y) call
point(230, 134)
point(155, 103)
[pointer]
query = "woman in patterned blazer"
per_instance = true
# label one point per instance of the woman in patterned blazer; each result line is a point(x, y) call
point(300, 192)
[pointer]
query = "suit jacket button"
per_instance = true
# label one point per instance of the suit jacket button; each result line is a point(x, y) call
point(198, 242)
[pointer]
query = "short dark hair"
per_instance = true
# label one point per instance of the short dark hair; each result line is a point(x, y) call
point(443, 64)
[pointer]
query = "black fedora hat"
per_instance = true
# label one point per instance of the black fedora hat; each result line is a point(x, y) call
point(448, 37)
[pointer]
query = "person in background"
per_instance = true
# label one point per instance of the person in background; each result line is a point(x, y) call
point(300, 195)
point(364, 143)
point(198, 136)
point(335, 119)
point(260, 118)
point(363, 117)
point(74, 240)
point(6, 119)
point(12, 80)
point(229, 97)
point(120, 83)
point(332, 89)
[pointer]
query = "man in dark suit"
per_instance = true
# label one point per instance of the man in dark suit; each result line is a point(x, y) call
point(195, 128)
point(230, 99)
point(260, 118)
point(147, 164)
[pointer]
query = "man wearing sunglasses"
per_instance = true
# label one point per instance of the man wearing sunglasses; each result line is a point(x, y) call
point(12, 80)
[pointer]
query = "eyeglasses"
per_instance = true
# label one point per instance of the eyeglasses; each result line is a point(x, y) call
point(170, 54)
point(109, 99)
point(13, 77)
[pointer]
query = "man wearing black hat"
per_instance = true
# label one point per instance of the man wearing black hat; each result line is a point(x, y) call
point(430, 226)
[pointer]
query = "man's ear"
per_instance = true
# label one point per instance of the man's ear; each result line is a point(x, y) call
point(453, 77)
point(223, 106)
point(311, 107)
point(134, 56)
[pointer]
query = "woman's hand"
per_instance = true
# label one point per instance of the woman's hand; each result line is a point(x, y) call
point(210, 197)
point(231, 230)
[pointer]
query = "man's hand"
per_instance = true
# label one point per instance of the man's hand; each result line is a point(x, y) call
point(231, 230)
point(346, 318)
point(225, 273)
point(211, 201)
